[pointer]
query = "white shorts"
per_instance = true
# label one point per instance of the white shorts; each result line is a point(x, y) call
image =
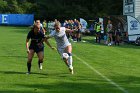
point(62, 50)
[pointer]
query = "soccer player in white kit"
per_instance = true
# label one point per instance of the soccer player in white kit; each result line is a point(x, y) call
point(64, 47)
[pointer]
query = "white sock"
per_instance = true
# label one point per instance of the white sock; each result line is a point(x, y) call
point(70, 62)
point(41, 65)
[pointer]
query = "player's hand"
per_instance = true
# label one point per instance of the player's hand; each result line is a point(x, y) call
point(28, 51)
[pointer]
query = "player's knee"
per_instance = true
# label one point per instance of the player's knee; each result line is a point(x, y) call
point(29, 60)
point(70, 54)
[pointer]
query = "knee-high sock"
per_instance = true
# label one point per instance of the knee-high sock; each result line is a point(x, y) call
point(70, 61)
point(29, 67)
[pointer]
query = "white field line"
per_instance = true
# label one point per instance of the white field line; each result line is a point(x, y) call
point(100, 74)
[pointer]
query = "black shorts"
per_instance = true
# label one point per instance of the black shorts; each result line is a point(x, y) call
point(78, 31)
point(98, 33)
point(37, 49)
point(110, 32)
point(118, 33)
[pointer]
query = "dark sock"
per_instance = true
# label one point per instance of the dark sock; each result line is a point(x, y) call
point(80, 39)
point(99, 39)
point(96, 39)
point(115, 42)
point(118, 43)
point(29, 67)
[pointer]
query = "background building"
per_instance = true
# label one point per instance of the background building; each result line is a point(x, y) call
point(132, 8)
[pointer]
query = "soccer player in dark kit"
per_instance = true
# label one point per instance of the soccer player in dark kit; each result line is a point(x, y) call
point(36, 46)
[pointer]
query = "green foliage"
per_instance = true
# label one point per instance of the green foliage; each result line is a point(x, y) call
point(3, 6)
point(26, 7)
point(63, 9)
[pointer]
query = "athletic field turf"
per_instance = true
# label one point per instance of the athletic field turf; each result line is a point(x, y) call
point(97, 68)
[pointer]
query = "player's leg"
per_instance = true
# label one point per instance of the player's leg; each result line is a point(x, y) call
point(99, 36)
point(40, 59)
point(30, 56)
point(70, 60)
point(111, 38)
point(66, 61)
point(118, 39)
point(61, 51)
point(78, 36)
point(96, 37)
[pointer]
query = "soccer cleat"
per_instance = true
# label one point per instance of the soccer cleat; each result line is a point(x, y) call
point(28, 73)
point(40, 66)
point(109, 44)
point(71, 70)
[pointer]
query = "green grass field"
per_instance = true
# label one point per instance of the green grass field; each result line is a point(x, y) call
point(98, 68)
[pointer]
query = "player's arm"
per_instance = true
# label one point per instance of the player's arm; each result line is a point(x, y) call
point(44, 31)
point(27, 45)
point(46, 39)
point(111, 27)
point(27, 41)
point(100, 28)
point(50, 35)
point(68, 30)
point(47, 42)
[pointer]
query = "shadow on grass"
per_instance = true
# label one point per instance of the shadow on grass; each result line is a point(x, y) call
point(16, 56)
point(67, 87)
point(15, 72)
point(130, 83)
point(11, 72)
point(13, 56)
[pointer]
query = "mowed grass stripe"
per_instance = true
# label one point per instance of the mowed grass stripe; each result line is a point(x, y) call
point(114, 62)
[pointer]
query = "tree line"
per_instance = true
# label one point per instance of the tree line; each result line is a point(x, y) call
point(63, 9)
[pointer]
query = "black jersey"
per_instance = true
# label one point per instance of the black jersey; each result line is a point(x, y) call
point(36, 39)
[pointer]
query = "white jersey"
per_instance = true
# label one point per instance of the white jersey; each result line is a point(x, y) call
point(109, 27)
point(61, 38)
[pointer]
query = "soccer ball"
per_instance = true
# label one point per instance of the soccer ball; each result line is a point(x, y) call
point(109, 44)
point(65, 55)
